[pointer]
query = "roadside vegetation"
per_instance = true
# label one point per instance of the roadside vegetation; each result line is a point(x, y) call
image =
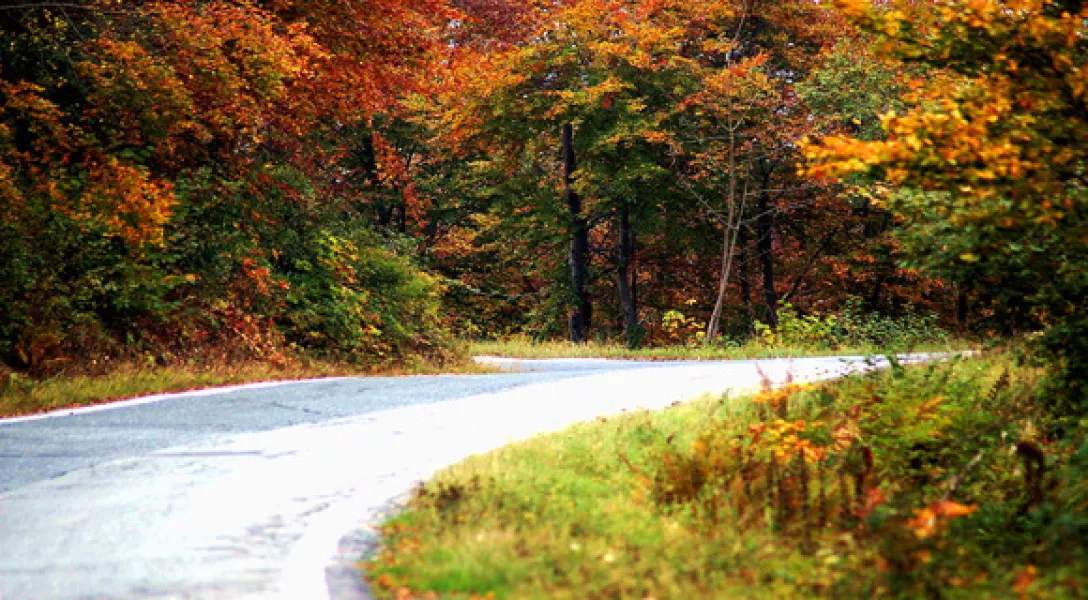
point(952, 480)
point(681, 337)
point(523, 348)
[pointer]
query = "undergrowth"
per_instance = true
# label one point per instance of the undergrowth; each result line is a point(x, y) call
point(947, 480)
point(680, 337)
point(523, 348)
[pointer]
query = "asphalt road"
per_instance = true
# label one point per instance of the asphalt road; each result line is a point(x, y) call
point(261, 491)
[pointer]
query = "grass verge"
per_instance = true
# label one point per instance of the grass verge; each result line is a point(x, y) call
point(23, 396)
point(946, 480)
point(518, 348)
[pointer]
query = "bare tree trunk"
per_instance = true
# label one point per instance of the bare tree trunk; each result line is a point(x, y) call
point(733, 216)
point(402, 217)
point(714, 325)
point(624, 275)
point(369, 158)
point(579, 242)
point(744, 273)
point(873, 301)
point(764, 243)
point(634, 271)
point(735, 204)
point(961, 306)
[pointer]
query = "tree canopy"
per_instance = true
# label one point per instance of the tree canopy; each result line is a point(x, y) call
point(368, 179)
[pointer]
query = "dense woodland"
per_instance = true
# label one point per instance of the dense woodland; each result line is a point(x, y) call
point(367, 180)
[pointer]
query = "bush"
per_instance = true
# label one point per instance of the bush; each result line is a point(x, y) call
point(853, 327)
point(78, 300)
point(679, 329)
point(869, 328)
point(351, 300)
point(939, 472)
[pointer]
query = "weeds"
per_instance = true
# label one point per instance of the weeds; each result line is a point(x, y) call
point(927, 481)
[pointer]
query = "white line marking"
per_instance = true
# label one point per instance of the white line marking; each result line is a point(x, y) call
point(215, 391)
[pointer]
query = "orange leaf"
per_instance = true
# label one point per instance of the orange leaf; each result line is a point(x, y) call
point(1023, 580)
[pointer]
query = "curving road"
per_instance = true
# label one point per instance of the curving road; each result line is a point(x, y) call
point(265, 491)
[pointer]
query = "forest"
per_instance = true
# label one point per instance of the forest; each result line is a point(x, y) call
point(370, 181)
point(295, 188)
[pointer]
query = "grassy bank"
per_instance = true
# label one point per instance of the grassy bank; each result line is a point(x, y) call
point(919, 482)
point(521, 348)
point(20, 395)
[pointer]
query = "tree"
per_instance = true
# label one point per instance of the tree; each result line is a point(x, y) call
point(989, 163)
point(742, 126)
point(168, 171)
point(608, 75)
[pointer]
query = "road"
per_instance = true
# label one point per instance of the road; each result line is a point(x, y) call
point(266, 491)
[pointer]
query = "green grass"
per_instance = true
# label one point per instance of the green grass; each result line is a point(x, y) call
point(20, 395)
point(522, 348)
point(712, 499)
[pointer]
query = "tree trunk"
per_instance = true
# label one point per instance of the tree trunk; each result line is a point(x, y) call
point(579, 242)
point(634, 271)
point(872, 302)
point(624, 275)
point(734, 213)
point(764, 243)
point(713, 326)
point(634, 278)
point(369, 158)
point(402, 217)
point(961, 307)
point(744, 271)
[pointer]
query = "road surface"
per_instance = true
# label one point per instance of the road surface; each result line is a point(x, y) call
point(264, 491)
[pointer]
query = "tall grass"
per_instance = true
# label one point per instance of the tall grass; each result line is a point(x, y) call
point(910, 483)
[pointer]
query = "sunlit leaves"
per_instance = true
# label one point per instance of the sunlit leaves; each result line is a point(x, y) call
point(990, 159)
point(1004, 133)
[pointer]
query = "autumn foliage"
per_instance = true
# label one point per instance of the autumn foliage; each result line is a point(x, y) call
point(367, 180)
point(168, 180)
point(908, 483)
point(987, 162)
point(177, 177)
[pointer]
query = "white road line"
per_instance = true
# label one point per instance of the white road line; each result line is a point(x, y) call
point(214, 391)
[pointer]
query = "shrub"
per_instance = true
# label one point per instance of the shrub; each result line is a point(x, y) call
point(679, 329)
point(355, 301)
point(853, 327)
point(858, 327)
